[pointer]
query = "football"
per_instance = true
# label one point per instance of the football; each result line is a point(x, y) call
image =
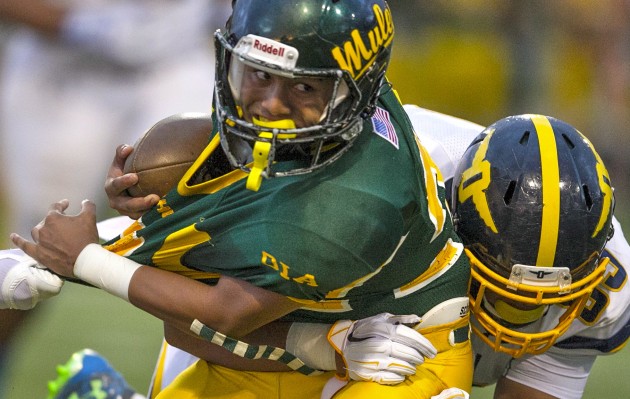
point(166, 151)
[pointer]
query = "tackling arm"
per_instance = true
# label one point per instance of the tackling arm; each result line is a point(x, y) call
point(380, 348)
point(232, 306)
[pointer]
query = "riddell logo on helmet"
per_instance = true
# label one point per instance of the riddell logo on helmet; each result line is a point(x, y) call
point(358, 57)
point(268, 48)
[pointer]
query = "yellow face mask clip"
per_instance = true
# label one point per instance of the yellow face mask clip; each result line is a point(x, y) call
point(260, 152)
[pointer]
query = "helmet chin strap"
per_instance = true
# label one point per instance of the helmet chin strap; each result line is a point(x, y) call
point(260, 152)
point(513, 315)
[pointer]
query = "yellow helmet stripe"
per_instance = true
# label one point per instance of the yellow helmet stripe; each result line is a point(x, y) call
point(550, 191)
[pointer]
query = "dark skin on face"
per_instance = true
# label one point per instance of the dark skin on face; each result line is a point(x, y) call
point(269, 97)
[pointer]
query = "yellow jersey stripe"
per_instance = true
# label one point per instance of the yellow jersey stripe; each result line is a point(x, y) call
point(442, 263)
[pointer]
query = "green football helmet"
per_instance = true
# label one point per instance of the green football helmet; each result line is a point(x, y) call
point(533, 204)
point(348, 42)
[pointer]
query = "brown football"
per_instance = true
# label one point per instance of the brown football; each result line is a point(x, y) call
point(166, 151)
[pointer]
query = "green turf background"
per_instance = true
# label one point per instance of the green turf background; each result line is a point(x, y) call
point(82, 317)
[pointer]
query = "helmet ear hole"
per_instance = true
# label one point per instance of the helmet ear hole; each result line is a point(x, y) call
point(525, 138)
point(587, 197)
point(568, 140)
point(509, 193)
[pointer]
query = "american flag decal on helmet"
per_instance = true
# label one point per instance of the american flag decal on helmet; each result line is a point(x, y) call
point(383, 126)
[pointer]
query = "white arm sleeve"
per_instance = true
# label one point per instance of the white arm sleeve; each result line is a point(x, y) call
point(445, 137)
point(559, 375)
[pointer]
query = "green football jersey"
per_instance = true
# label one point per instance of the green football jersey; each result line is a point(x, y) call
point(369, 233)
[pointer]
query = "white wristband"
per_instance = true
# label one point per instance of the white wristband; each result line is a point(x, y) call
point(105, 270)
point(309, 343)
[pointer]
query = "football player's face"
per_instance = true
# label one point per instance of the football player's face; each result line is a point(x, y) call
point(269, 97)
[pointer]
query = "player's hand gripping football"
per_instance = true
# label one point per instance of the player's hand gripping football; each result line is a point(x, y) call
point(380, 348)
point(140, 175)
point(117, 183)
point(24, 283)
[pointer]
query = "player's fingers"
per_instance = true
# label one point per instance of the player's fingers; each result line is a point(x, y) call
point(88, 209)
point(404, 319)
point(390, 379)
point(55, 209)
point(382, 377)
point(118, 163)
point(400, 368)
point(115, 186)
point(122, 152)
point(59, 206)
point(28, 247)
point(133, 207)
point(88, 206)
point(35, 231)
point(406, 354)
point(412, 338)
point(149, 201)
point(384, 364)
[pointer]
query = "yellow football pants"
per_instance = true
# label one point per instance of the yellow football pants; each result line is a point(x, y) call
point(452, 367)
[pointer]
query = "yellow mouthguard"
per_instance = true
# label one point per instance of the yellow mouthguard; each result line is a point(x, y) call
point(261, 149)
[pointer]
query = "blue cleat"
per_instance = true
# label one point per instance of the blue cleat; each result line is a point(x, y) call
point(87, 375)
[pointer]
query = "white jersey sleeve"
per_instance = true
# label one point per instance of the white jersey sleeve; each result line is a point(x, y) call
point(445, 137)
point(555, 374)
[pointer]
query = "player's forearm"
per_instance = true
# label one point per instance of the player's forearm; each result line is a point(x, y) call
point(40, 15)
point(233, 307)
point(159, 293)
